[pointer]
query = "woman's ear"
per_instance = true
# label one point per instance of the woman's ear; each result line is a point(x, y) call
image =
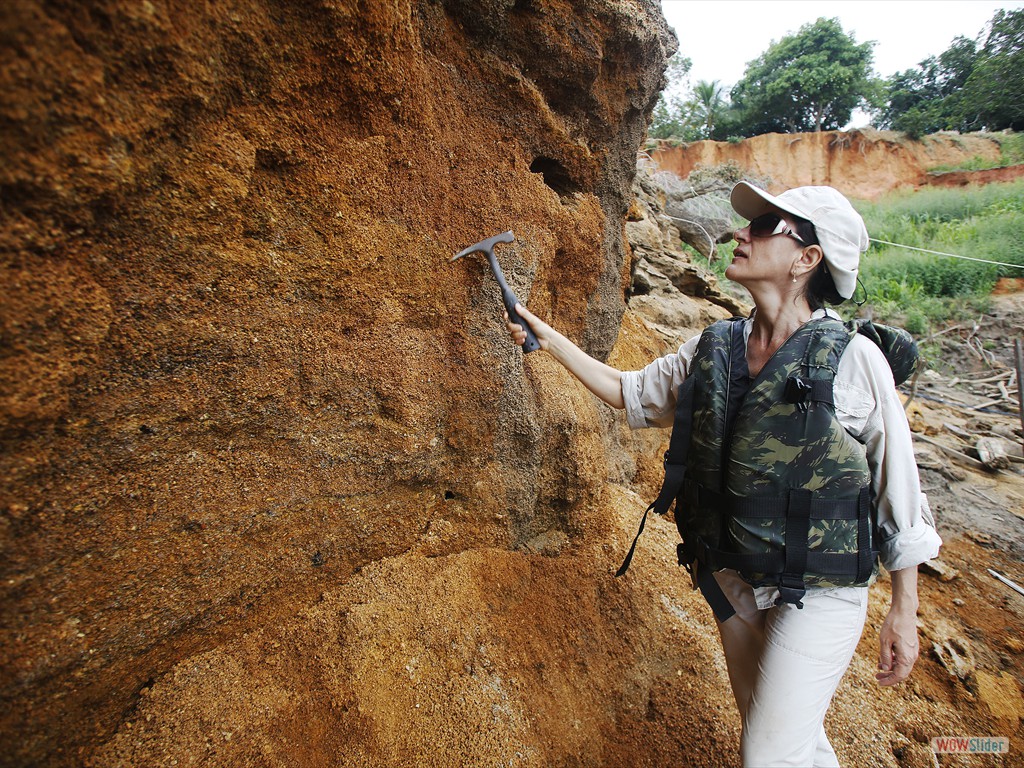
point(809, 258)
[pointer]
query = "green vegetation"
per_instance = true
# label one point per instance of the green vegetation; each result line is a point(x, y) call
point(973, 85)
point(672, 118)
point(684, 116)
point(1011, 152)
point(924, 291)
point(808, 81)
point(813, 79)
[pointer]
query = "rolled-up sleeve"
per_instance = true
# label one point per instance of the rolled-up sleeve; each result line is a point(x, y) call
point(869, 407)
point(650, 393)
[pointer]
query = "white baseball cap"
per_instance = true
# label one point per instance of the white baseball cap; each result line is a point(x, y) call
point(840, 229)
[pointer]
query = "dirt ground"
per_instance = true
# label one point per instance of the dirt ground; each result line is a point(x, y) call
point(971, 624)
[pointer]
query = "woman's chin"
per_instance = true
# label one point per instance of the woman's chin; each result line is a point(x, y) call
point(734, 274)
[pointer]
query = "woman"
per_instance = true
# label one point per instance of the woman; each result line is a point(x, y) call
point(790, 627)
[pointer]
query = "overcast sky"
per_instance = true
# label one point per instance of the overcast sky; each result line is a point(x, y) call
point(721, 36)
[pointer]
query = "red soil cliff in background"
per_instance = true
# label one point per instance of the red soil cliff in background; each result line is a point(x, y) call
point(862, 163)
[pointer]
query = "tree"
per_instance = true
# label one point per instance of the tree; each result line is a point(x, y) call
point(970, 86)
point(808, 81)
point(926, 99)
point(671, 118)
point(993, 94)
point(708, 105)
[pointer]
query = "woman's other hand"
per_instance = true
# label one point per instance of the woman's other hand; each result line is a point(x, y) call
point(898, 638)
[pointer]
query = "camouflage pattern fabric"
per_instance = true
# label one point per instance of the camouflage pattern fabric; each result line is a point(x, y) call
point(775, 446)
point(896, 344)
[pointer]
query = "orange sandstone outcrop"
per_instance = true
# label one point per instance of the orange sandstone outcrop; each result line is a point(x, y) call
point(860, 163)
point(275, 487)
point(237, 369)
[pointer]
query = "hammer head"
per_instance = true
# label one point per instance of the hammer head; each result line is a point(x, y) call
point(508, 297)
point(486, 246)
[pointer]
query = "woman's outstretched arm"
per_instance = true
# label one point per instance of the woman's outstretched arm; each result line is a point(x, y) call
point(603, 380)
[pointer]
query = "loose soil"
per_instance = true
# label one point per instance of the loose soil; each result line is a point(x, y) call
point(971, 625)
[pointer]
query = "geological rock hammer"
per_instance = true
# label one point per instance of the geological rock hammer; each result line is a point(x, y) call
point(507, 296)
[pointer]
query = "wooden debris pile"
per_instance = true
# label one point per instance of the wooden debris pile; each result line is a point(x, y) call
point(981, 387)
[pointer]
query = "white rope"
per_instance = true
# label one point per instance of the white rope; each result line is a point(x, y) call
point(941, 253)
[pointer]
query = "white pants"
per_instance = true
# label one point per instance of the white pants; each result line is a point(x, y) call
point(784, 665)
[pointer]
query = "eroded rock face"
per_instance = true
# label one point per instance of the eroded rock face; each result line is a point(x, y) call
point(237, 363)
point(862, 163)
point(676, 296)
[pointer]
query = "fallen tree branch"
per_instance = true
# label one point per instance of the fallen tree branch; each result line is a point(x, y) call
point(943, 332)
point(961, 457)
point(1006, 394)
point(986, 404)
point(981, 495)
point(987, 379)
point(963, 434)
point(959, 405)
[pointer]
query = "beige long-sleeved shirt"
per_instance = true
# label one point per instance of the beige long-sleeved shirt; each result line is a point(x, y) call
point(868, 407)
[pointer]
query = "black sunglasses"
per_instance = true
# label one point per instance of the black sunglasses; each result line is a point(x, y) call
point(771, 224)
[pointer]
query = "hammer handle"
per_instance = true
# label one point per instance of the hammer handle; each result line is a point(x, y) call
point(531, 344)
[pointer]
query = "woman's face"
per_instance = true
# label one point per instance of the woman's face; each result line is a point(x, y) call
point(767, 250)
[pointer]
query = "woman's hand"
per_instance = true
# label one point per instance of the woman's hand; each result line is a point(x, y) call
point(540, 329)
point(898, 639)
point(899, 647)
point(603, 380)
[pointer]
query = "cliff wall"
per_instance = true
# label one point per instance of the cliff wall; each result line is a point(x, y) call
point(276, 487)
point(861, 163)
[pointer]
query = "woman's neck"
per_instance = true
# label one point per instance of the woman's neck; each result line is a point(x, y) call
point(777, 318)
point(774, 322)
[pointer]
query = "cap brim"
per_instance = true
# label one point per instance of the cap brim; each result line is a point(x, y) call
point(750, 202)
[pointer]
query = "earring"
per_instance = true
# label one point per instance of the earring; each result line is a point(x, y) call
point(794, 278)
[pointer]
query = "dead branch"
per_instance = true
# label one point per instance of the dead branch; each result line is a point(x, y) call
point(961, 433)
point(987, 379)
point(986, 404)
point(944, 331)
point(963, 458)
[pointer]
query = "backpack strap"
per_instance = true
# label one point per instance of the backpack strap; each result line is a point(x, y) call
point(711, 590)
point(702, 573)
point(675, 464)
point(679, 449)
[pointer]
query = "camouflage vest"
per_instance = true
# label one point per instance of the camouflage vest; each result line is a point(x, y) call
point(763, 476)
point(774, 486)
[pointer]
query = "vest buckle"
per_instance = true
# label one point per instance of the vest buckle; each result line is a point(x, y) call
point(798, 391)
point(791, 590)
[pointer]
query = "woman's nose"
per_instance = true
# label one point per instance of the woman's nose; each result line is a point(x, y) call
point(741, 234)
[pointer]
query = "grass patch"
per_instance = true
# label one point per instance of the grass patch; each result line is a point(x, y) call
point(1011, 152)
point(924, 291)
